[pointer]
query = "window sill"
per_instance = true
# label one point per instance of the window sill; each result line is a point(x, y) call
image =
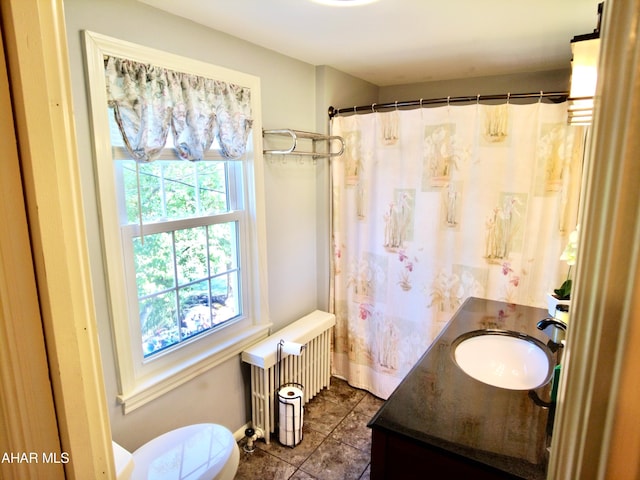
point(160, 384)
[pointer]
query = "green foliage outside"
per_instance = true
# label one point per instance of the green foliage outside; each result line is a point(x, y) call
point(178, 271)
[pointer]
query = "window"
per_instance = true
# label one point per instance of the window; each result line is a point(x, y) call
point(183, 240)
point(186, 260)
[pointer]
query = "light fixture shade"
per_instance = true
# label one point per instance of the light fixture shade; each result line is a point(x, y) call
point(584, 77)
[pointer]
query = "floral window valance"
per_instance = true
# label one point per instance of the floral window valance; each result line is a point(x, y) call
point(148, 101)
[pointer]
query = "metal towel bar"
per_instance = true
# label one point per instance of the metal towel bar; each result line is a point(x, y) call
point(295, 135)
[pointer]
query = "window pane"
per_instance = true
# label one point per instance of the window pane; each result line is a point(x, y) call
point(150, 175)
point(158, 322)
point(212, 184)
point(154, 263)
point(191, 254)
point(195, 312)
point(223, 247)
point(204, 278)
point(173, 189)
point(225, 294)
point(179, 188)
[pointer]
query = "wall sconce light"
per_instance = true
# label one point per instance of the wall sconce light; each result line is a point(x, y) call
point(584, 74)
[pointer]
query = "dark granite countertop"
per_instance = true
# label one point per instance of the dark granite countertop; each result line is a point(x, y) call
point(440, 406)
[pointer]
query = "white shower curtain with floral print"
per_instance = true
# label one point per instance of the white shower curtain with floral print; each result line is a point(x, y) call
point(434, 205)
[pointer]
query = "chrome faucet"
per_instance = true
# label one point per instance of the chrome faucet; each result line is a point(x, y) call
point(545, 322)
point(557, 333)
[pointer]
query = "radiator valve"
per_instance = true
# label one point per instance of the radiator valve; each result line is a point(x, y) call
point(252, 435)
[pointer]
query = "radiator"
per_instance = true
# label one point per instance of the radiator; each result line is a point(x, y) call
point(312, 368)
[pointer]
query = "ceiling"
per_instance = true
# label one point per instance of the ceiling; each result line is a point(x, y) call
point(392, 42)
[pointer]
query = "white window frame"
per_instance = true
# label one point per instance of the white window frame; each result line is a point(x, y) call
point(142, 380)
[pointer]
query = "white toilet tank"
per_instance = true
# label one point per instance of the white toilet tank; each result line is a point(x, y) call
point(124, 462)
point(202, 451)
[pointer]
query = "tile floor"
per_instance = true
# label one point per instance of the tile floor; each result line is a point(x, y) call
point(336, 442)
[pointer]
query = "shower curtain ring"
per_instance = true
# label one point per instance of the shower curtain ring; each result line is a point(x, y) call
point(448, 100)
point(540, 99)
point(420, 103)
point(508, 97)
point(478, 100)
point(373, 108)
point(396, 104)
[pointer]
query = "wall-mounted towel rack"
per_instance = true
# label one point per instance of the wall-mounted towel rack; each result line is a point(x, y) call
point(296, 135)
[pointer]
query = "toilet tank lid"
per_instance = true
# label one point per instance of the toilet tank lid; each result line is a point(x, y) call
point(205, 447)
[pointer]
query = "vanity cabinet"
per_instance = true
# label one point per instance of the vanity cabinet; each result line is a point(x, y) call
point(441, 423)
point(398, 456)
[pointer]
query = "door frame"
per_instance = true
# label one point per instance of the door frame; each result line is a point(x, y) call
point(38, 65)
point(27, 411)
point(595, 434)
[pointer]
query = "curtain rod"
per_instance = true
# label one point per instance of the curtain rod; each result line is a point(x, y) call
point(555, 97)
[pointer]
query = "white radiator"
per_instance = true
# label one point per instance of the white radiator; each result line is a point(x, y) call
point(312, 368)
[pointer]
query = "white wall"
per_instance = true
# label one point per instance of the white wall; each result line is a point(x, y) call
point(525, 82)
point(289, 101)
point(334, 88)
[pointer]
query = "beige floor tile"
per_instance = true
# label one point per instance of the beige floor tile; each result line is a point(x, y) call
point(334, 460)
point(311, 440)
point(353, 431)
point(323, 415)
point(336, 443)
point(260, 464)
point(369, 405)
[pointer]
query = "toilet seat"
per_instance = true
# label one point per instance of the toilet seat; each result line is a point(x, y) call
point(191, 452)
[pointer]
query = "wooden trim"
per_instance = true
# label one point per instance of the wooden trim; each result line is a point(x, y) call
point(27, 412)
point(596, 433)
point(39, 74)
point(623, 462)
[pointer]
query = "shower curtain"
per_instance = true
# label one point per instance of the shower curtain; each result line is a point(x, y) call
point(434, 205)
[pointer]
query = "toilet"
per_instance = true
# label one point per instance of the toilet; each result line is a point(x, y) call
point(204, 451)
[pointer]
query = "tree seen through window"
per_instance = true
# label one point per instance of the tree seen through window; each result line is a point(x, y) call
point(186, 260)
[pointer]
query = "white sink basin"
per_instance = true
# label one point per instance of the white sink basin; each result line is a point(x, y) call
point(504, 359)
